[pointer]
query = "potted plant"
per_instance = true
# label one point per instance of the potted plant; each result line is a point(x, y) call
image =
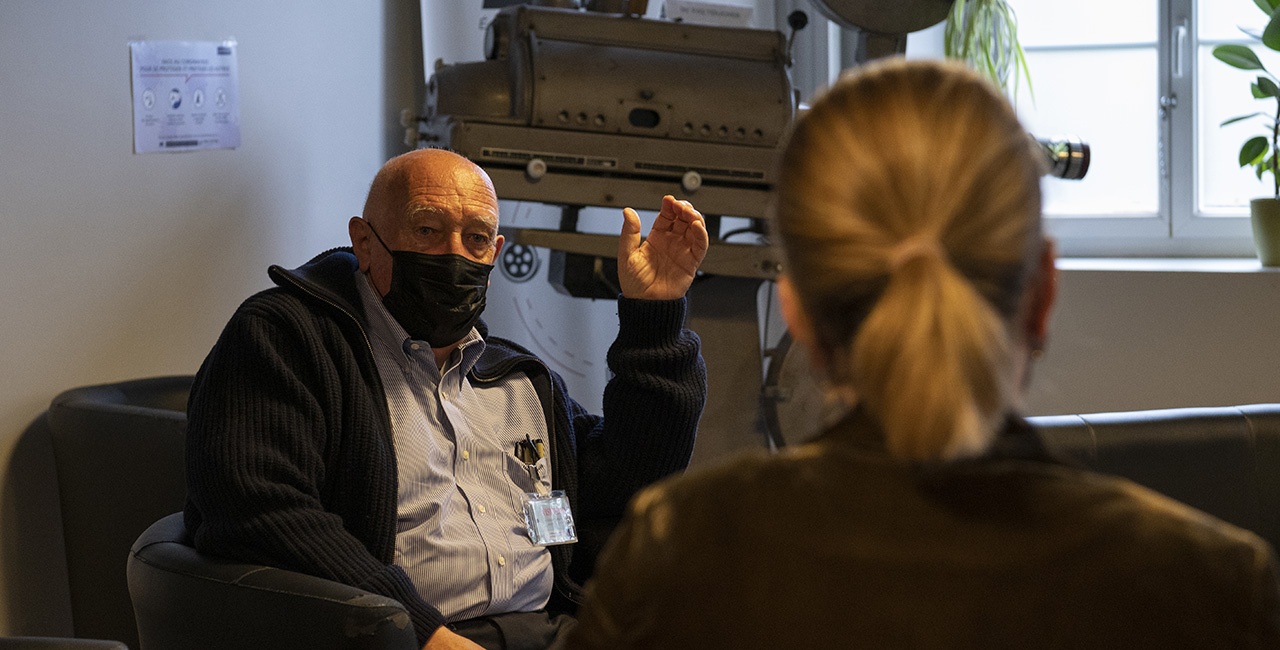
point(984, 34)
point(1260, 151)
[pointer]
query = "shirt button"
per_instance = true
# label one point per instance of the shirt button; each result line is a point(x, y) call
point(415, 346)
point(502, 561)
point(482, 509)
point(466, 455)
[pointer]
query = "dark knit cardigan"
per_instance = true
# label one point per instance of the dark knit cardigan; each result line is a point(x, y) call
point(291, 461)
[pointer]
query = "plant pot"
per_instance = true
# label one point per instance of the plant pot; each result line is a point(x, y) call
point(1264, 214)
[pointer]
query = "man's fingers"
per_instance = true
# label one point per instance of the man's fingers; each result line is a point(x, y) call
point(689, 211)
point(668, 214)
point(699, 240)
point(699, 229)
point(629, 240)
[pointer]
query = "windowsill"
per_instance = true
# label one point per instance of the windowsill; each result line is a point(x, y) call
point(1166, 264)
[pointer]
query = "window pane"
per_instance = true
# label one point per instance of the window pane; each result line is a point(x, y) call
point(1086, 22)
point(1225, 188)
point(1222, 19)
point(1108, 98)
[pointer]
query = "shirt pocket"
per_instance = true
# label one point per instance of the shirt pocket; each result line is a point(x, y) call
point(522, 476)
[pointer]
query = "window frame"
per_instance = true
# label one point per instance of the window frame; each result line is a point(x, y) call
point(1178, 228)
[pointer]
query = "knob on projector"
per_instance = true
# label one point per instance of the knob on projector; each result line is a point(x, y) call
point(536, 169)
point(691, 181)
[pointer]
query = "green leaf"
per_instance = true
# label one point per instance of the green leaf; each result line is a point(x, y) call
point(1271, 35)
point(1238, 56)
point(1268, 87)
point(1239, 118)
point(1264, 5)
point(1253, 151)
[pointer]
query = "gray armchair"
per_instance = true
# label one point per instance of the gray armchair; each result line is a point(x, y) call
point(185, 599)
point(118, 450)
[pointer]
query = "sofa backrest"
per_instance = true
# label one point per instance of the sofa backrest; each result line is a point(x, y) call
point(1224, 461)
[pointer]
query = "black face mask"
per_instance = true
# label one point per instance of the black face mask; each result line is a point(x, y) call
point(435, 298)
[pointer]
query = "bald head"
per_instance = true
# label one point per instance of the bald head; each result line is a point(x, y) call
point(423, 173)
point(427, 201)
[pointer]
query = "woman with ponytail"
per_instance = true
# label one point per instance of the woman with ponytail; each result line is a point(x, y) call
point(919, 280)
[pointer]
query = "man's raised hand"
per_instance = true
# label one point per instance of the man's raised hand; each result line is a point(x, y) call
point(662, 266)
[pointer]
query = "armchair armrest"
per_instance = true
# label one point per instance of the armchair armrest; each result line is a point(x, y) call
point(57, 643)
point(185, 599)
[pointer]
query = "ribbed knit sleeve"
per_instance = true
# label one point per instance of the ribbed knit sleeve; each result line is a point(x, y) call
point(289, 461)
point(651, 407)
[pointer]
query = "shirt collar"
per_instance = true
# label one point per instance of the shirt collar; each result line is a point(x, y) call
point(388, 332)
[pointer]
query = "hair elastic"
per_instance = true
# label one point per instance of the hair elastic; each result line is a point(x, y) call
point(909, 249)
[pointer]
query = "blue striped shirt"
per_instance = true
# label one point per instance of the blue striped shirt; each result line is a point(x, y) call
point(460, 532)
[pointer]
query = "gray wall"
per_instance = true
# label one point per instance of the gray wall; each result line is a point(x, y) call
point(1124, 340)
point(116, 266)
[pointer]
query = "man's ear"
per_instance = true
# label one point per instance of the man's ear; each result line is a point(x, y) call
point(358, 230)
point(497, 252)
point(497, 247)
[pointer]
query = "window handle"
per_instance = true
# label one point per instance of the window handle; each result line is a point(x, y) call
point(1180, 33)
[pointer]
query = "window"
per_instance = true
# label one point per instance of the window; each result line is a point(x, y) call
point(1136, 80)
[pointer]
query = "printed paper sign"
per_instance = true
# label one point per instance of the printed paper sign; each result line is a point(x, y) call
point(185, 95)
point(732, 13)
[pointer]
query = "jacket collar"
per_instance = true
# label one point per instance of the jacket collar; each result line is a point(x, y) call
point(329, 278)
point(1016, 440)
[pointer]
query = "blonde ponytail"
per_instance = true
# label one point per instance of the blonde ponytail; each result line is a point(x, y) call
point(908, 211)
point(929, 362)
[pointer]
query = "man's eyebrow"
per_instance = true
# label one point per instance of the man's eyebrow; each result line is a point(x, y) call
point(480, 219)
point(424, 210)
point(488, 221)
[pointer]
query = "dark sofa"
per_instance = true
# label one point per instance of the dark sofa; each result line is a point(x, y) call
point(1223, 460)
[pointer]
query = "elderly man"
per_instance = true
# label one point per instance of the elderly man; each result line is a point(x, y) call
point(358, 423)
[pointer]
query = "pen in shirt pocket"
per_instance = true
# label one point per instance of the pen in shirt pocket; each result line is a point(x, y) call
point(528, 451)
point(536, 447)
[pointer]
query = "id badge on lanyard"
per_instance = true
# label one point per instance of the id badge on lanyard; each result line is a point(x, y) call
point(548, 518)
point(546, 512)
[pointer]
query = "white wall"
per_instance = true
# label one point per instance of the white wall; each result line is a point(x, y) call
point(116, 266)
point(1126, 340)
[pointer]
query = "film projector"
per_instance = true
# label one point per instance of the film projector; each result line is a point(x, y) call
point(595, 106)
